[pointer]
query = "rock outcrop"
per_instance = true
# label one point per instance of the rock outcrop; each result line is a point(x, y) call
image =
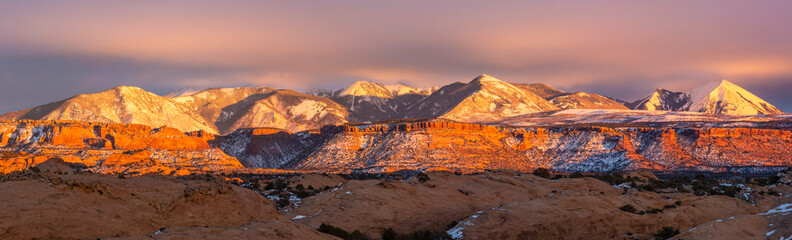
point(108, 148)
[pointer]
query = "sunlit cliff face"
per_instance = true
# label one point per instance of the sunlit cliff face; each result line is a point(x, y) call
point(61, 49)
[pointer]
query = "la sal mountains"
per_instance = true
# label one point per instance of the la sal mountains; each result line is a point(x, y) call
point(484, 99)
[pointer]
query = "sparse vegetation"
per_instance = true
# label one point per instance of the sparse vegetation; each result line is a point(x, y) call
point(542, 172)
point(700, 185)
point(390, 234)
point(422, 177)
point(341, 233)
point(666, 233)
point(628, 208)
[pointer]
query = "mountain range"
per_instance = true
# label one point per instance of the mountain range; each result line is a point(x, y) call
point(484, 99)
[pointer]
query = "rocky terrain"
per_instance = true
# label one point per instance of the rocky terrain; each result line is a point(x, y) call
point(404, 145)
point(447, 145)
point(50, 201)
point(109, 148)
point(52, 204)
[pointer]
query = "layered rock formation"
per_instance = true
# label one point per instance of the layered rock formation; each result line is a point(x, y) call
point(109, 148)
point(446, 145)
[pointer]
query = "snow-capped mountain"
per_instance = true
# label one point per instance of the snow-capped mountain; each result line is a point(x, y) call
point(366, 101)
point(722, 97)
point(364, 88)
point(541, 89)
point(285, 109)
point(119, 105)
point(583, 100)
point(371, 102)
point(404, 89)
point(247, 107)
point(661, 100)
point(183, 92)
point(726, 98)
point(216, 110)
point(485, 98)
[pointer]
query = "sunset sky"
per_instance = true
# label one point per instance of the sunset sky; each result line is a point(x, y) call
point(51, 50)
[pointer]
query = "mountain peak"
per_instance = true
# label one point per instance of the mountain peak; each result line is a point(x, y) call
point(365, 88)
point(126, 89)
point(486, 78)
point(727, 98)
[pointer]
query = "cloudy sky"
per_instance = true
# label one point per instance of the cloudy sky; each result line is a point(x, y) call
point(51, 50)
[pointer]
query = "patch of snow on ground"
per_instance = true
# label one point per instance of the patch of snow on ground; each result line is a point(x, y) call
point(784, 208)
point(298, 217)
point(456, 231)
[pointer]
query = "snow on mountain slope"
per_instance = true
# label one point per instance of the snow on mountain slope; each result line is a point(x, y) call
point(285, 109)
point(485, 98)
point(722, 97)
point(119, 105)
point(371, 102)
point(662, 100)
point(451, 146)
point(541, 89)
point(583, 100)
point(727, 98)
point(404, 89)
point(210, 103)
point(183, 92)
point(586, 116)
point(400, 89)
point(364, 88)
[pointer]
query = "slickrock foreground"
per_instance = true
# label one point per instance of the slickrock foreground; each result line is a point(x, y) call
point(54, 200)
point(48, 205)
point(507, 205)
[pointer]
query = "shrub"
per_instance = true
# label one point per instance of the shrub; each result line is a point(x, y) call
point(390, 234)
point(452, 225)
point(282, 203)
point(422, 177)
point(654, 211)
point(576, 175)
point(773, 192)
point(338, 232)
point(542, 172)
point(628, 208)
point(666, 233)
